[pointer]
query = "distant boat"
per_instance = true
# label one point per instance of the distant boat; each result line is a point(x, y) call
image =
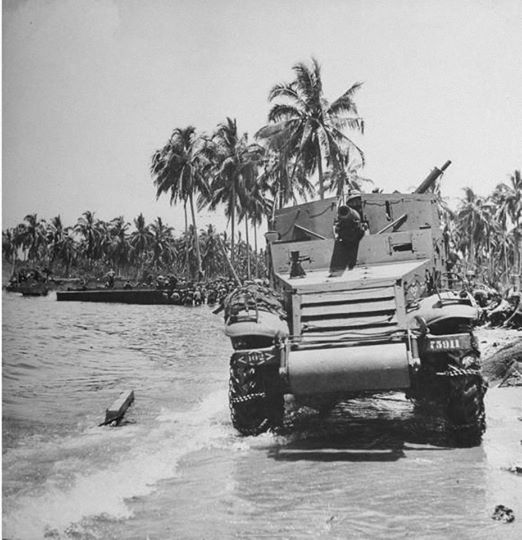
point(35, 289)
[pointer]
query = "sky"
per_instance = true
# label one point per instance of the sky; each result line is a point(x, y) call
point(91, 88)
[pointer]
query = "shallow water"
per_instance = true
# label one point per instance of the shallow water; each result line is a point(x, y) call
point(177, 469)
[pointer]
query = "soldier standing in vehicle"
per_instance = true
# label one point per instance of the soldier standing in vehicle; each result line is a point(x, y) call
point(349, 228)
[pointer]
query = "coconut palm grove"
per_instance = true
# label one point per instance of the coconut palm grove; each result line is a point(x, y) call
point(305, 150)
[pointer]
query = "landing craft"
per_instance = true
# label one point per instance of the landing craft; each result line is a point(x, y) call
point(363, 301)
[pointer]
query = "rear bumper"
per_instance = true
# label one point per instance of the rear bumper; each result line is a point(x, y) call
point(359, 368)
point(383, 366)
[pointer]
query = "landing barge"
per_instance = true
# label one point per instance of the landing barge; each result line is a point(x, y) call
point(121, 296)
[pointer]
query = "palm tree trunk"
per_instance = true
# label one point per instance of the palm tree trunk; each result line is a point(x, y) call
point(227, 260)
point(232, 225)
point(270, 218)
point(247, 249)
point(506, 267)
point(518, 251)
point(255, 249)
point(320, 170)
point(196, 238)
point(518, 242)
point(186, 270)
point(13, 265)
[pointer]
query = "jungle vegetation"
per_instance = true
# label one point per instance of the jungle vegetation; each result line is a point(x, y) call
point(306, 137)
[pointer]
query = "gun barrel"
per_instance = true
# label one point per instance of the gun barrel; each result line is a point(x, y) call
point(430, 179)
point(446, 165)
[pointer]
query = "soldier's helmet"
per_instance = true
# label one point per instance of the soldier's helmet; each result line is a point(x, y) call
point(352, 195)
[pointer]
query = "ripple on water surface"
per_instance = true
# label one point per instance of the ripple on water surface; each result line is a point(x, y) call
point(63, 364)
point(371, 469)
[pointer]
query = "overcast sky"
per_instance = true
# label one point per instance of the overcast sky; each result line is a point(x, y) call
point(92, 87)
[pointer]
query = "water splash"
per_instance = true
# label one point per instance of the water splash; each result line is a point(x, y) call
point(152, 455)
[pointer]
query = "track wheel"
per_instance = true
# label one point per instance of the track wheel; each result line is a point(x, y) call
point(256, 403)
point(465, 408)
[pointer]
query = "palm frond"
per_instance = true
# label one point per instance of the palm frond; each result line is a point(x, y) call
point(286, 90)
point(308, 82)
point(283, 112)
point(345, 103)
point(352, 145)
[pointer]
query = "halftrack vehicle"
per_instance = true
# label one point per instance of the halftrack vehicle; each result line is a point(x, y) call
point(351, 314)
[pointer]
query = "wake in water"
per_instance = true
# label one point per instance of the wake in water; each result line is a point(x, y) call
point(115, 464)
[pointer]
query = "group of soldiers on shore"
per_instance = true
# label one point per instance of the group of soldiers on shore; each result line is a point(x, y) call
point(499, 310)
point(180, 291)
point(190, 293)
point(496, 308)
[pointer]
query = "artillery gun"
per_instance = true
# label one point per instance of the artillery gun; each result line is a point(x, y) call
point(359, 305)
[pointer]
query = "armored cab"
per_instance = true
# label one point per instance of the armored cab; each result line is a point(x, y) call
point(365, 307)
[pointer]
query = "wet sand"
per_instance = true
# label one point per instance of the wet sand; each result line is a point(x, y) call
point(499, 347)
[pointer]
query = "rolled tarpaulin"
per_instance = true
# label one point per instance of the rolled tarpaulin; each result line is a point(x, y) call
point(371, 367)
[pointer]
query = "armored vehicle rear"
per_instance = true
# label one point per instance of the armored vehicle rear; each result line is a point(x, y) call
point(361, 303)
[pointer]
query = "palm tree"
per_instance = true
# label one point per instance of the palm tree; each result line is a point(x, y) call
point(92, 232)
point(312, 127)
point(234, 160)
point(179, 168)
point(186, 245)
point(211, 252)
point(511, 205)
point(255, 207)
point(67, 249)
point(161, 243)
point(32, 235)
point(473, 217)
point(10, 247)
point(140, 240)
point(55, 237)
point(118, 248)
point(343, 180)
point(245, 208)
point(284, 175)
